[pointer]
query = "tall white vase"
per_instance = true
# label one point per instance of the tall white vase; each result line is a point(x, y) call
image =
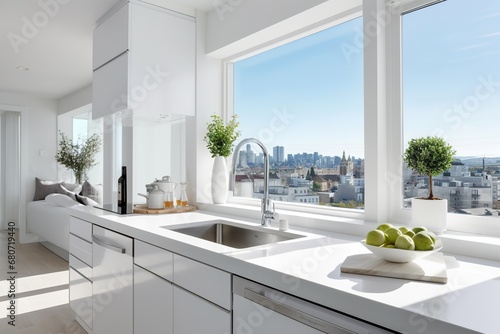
point(429, 213)
point(220, 180)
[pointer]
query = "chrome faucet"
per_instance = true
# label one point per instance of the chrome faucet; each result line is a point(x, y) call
point(268, 208)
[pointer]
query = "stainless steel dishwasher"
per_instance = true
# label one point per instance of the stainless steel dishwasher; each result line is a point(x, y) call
point(258, 309)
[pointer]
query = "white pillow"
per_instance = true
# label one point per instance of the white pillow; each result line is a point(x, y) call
point(60, 200)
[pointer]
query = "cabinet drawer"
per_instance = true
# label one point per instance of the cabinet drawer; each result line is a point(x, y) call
point(81, 267)
point(80, 228)
point(155, 259)
point(80, 249)
point(111, 37)
point(80, 296)
point(205, 281)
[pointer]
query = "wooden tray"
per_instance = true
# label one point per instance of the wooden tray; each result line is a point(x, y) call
point(430, 269)
point(142, 208)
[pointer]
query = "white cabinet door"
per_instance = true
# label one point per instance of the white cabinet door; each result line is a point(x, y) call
point(193, 314)
point(110, 87)
point(208, 282)
point(111, 38)
point(80, 296)
point(162, 66)
point(153, 303)
point(159, 76)
point(113, 282)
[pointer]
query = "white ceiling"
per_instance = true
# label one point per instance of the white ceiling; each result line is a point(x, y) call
point(58, 51)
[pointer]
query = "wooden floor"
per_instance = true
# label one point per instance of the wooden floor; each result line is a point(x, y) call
point(41, 296)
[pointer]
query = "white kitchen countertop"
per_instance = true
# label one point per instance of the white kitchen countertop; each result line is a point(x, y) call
point(309, 268)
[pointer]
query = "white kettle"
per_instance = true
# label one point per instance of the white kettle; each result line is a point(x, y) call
point(155, 198)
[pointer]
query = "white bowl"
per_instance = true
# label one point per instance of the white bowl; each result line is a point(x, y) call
point(401, 255)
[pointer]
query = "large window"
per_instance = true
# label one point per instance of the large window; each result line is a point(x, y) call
point(451, 88)
point(304, 101)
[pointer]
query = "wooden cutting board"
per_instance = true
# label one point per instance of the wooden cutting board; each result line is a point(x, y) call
point(142, 208)
point(430, 269)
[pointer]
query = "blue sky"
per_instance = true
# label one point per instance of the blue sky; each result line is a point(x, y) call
point(314, 85)
point(451, 77)
point(451, 74)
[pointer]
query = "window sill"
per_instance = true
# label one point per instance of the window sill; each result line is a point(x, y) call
point(460, 243)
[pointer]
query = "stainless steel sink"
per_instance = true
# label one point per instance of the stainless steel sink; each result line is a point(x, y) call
point(236, 236)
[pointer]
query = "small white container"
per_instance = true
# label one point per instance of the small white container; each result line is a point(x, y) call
point(283, 225)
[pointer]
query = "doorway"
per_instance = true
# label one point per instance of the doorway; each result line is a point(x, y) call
point(10, 168)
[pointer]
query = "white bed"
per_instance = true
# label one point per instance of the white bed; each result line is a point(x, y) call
point(51, 224)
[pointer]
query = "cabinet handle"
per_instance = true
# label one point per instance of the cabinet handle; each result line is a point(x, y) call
point(292, 313)
point(108, 245)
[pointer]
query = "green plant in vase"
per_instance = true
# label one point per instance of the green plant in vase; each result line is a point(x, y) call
point(220, 138)
point(429, 156)
point(79, 157)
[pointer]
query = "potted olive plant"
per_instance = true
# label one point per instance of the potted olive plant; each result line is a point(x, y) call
point(79, 157)
point(429, 156)
point(220, 140)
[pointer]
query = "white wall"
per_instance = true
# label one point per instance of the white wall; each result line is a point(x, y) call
point(208, 102)
point(234, 21)
point(75, 100)
point(248, 25)
point(38, 144)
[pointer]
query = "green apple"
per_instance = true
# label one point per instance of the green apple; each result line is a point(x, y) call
point(392, 234)
point(404, 242)
point(375, 238)
point(410, 233)
point(384, 227)
point(388, 246)
point(430, 234)
point(423, 242)
point(403, 229)
point(419, 229)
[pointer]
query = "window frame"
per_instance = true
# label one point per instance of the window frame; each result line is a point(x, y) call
point(383, 122)
point(455, 222)
point(228, 111)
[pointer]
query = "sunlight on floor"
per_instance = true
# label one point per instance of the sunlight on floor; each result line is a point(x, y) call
point(37, 302)
point(36, 282)
point(28, 299)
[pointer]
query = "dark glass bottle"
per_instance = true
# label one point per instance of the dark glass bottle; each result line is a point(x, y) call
point(122, 191)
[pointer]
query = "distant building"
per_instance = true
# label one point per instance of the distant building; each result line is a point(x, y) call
point(346, 167)
point(278, 154)
point(322, 183)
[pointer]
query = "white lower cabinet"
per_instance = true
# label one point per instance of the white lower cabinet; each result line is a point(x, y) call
point(112, 288)
point(202, 298)
point(153, 303)
point(193, 314)
point(153, 290)
point(80, 296)
point(80, 271)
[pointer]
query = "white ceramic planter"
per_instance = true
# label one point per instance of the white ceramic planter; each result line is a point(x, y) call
point(220, 181)
point(429, 213)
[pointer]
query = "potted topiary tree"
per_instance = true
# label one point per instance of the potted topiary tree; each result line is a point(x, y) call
point(429, 156)
point(220, 139)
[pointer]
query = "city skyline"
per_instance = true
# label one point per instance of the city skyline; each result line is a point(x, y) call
point(285, 154)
